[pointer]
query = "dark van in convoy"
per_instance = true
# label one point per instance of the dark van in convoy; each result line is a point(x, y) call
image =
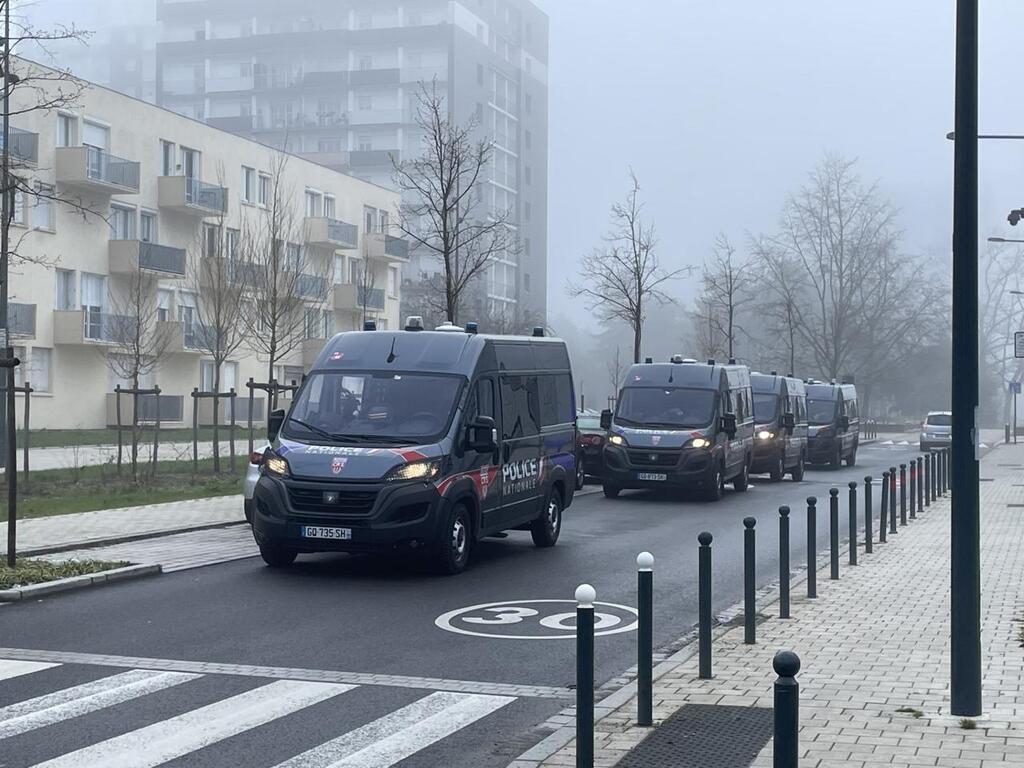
point(780, 425)
point(420, 441)
point(833, 419)
point(681, 424)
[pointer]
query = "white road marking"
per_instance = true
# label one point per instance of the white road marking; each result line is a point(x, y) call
point(170, 739)
point(14, 668)
point(82, 699)
point(401, 733)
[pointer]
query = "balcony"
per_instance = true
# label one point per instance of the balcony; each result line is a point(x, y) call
point(376, 116)
point(24, 146)
point(81, 326)
point(173, 331)
point(331, 233)
point(198, 337)
point(21, 320)
point(345, 297)
point(235, 124)
point(369, 157)
point(169, 408)
point(311, 287)
point(129, 256)
point(97, 171)
point(386, 247)
point(370, 298)
point(228, 84)
point(192, 196)
point(374, 77)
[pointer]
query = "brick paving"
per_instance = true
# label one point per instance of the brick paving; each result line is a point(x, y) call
point(873, 643)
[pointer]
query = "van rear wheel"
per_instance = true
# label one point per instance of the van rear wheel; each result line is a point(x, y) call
point(837, 459)
point(742, 480)
point(798, 471)
point(716, 484)
point(545, 529)
point(778, 471)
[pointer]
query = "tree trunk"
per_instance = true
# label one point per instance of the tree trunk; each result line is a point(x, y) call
point(637, 332)
point(135, 427)
point(216, 419)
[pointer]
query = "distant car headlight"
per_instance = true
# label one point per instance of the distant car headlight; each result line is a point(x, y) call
point(426, 469)
point(275, 465)
point(616, 440)
point(699, 442)
point(764, 434)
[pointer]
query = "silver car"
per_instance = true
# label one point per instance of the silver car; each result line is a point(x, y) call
point(937, 430)
point(252, 474)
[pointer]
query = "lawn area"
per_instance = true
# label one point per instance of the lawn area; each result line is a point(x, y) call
point(27, 572)
point(63, 491)
point(63, 438)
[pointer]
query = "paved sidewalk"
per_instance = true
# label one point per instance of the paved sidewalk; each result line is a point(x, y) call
point(84, 528)
point(91, 455)
point(873, 643)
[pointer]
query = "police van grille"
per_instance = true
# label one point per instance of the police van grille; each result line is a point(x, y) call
point(654, 458)
point(347, 503)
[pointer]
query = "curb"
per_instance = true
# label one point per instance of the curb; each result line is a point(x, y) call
point(126, 539)
point(33, 591)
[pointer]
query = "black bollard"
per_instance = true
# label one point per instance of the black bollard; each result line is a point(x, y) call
point(749, 587)
point(928, 479)
point(903, 494)
point(945, 471)
point(645, 638)
point(784, 562)
point(868, 514)
point(833, 532)
point(787, 710)
point(852, 510)
point(920, 486)
point(892, 500)
point(882, 527)
point(912, 474)
point(934, 458)
point(812, 546)
point(704, 604)
point(585, 596)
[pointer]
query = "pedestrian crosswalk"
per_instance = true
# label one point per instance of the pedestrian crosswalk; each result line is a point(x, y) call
point(139, 734)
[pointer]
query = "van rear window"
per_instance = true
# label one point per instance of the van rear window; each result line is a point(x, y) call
point(940, 419)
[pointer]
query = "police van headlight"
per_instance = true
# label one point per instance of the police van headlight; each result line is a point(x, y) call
point(426, 469)
point(275, 465)
point(764, 434)
point(616, 440)
point(699, 442)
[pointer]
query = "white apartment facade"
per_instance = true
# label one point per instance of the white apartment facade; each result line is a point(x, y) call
point(127, 186)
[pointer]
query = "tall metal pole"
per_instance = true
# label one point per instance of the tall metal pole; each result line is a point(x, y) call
point(7, 426)
point(965, 559)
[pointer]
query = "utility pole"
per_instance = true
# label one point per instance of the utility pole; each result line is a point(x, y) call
point(7, 426)
point(965, 559)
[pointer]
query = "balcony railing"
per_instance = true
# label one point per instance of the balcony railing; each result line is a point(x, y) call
point(199, 336)
point(21, 320)
point(127, 256)
point(111, 169)
point(204, 195)
point(335, 233)
point(169, 407)
point(96, 170)
point(370, 298)
point(396, 246)
point(24, 145)
point(190, 195)
point(311, 287)
point(113, 329)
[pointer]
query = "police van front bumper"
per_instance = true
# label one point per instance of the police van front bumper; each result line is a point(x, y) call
point(626, 467)
point(378, 517)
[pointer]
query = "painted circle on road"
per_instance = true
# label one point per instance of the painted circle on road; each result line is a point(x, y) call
point(534, 619)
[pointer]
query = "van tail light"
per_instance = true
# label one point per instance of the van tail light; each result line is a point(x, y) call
point(256, 457)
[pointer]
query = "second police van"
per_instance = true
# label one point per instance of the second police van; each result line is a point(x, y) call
point(420, 442)
point(682, 424)
point(833, 417)
point(780, 425)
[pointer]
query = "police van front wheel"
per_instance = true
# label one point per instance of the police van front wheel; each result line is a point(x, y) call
point(277, 556)
point(545, 529)
point(457, 541)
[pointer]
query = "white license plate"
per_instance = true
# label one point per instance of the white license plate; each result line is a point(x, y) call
point(317, 532)
point(651, 476)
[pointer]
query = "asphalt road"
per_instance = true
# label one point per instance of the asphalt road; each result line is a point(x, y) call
point(376, 616)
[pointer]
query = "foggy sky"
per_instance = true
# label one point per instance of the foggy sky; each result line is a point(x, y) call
point(724, 107)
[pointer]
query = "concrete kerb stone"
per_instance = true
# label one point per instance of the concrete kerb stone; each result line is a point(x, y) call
point(114, 540)
point(32, 591)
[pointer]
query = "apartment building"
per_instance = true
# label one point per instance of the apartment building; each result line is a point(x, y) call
point(124, 188)
point(336, 81)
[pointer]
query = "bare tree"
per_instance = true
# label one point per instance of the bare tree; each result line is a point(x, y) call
point(283, 280)
point(778, 273)
point(366, 281)
point(443, 212)
point(1001, 313)
point(619, 279)
point(221, 288)
point(726, 282)
point(142, 341)
point(616, 372)
point(706, 324)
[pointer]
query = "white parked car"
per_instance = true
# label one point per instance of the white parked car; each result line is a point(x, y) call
point(936, 432)
point(252, 474)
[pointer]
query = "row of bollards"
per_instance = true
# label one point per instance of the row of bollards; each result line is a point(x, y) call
point(922, 481)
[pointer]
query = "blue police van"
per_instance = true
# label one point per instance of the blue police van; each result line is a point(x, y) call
point(422, 442)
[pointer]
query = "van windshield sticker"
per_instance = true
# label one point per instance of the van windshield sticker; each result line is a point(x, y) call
point(336, 450)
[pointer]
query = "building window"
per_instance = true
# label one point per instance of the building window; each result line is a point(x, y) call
point(355, 271)
point(167, 166)
point(365, 142)
point(67, 130)
point(315, 324)
point(527, 208)
point(330, 210)
point(190, 162)
point(528, 139)
point(42, 212)
point(528, 174)
point(364, 102)
point(365, 62)
point(527, 102)
point(313, 203)
point(480, 74)
point(94, 304)
point(370, 217)
point(211, 240)
point(339, 269)
point(264, 191)
point(95, 135)
point(393, 282)
point(39, 369)
point(526, 246)
point(248, 184)
point(147, 227)
point(122, 223)
point(479, 113)
point(163, 304)
point(526, 281)
point(231, 244)
point(18, 209)
point(67, 295)
point(293, 257)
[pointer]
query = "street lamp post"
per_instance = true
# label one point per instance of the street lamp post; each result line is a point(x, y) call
point(965, 565)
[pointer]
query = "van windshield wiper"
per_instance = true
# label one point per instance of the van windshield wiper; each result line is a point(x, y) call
point(318, 430)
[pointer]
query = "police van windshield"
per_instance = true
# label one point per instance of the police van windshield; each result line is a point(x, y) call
point(665, 408)
point(766, 407)
point(820, 411)
point(356, 406)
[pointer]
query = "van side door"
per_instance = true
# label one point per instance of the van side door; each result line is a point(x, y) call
point(483, 401)
point(520, 448)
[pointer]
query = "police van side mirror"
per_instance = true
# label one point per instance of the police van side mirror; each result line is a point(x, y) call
point(788, 422)
point(727, 424)
point(274, 424)
point(606, 419)
point(844, 423)
point(480, 435)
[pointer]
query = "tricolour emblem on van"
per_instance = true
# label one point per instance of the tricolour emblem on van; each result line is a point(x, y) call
point(655, 439)
point(337, 464)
